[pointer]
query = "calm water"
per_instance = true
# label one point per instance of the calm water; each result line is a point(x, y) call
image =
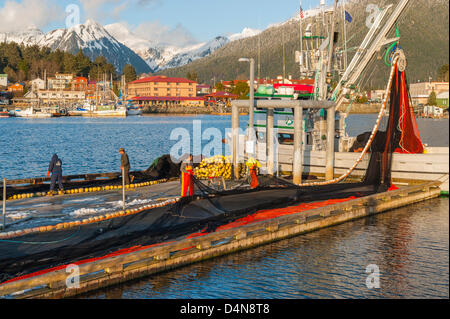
point(409, 245)
point(91, 145)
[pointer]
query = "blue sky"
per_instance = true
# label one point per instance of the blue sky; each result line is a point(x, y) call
point(202, 19)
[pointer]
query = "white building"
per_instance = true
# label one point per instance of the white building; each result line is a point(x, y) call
point(431, 110)
point(60, 81)
point(421, 91)
point(37, 84)
point(4, 80)
point(49, 95)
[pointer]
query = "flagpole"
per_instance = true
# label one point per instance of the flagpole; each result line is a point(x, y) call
point(345, 37)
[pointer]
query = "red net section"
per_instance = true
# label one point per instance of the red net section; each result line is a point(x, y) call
point(410, 141)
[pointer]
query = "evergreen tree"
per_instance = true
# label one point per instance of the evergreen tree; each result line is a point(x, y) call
point(444, 73)
point(130, 73)
point(432, 98)
point(242, 89)
point(220, 87)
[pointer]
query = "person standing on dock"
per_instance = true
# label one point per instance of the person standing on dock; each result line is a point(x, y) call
point(187, 176)
point(125, 166)
point(55, 168)
point(253, 166)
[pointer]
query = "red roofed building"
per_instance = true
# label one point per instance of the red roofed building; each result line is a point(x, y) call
point(80, 83)
point(162, 86)
point(221, 96)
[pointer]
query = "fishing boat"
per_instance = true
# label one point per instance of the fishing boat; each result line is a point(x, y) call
point(34, 252)
point(4, 113)
point(31, 112)
point(133, 110)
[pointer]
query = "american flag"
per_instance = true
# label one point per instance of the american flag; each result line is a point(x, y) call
point(301, 13)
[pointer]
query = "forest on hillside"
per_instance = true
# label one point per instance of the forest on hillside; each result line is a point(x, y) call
point(23, 63)
point(424, 33)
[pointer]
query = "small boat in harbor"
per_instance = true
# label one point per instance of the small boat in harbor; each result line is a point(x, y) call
point(4, 113)
point(133, 109)
point(32, 113)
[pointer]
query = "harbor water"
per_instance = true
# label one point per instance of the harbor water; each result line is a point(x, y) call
point(90, 145)
point(408, 245)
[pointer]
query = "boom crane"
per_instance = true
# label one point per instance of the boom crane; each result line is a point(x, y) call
point(372, 43)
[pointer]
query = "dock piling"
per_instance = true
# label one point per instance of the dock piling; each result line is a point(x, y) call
point(235, 140)
point(270, 141)
point(298, 145)
point(329, 167)
point(123, 188)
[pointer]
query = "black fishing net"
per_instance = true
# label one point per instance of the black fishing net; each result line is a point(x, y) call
point(204, 212)
point(162, 168)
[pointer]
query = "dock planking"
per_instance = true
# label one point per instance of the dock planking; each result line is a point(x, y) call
point(117, 269)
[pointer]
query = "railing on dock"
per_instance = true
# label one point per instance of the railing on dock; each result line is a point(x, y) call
point(113, 270)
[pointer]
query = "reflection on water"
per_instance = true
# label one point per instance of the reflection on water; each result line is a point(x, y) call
point(409, 245)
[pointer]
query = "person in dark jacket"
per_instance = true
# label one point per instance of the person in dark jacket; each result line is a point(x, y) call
point(125, 166)
point(55, 168)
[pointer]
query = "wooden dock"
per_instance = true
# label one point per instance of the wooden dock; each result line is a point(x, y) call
point(114, 270)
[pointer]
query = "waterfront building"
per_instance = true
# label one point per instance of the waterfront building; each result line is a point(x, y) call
point(420, 92)
point(442, 99)
point(60, 81)
point(165, 101)
point(62, 95)
point(203, 89)
point(221, 96)
point(37, 84)
point(16, 88)
point(3, 80)
point(162, 86)
point(80, 83)
point(377, 95)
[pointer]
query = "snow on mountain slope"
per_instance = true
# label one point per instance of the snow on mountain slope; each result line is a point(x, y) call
point(29, 36)
point(246, 33)
point(94, 40)
point(163, 56)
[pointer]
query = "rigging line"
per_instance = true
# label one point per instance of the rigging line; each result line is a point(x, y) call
point(372, 136)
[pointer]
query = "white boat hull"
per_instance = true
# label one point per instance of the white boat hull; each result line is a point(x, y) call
point(134, 112)
point(29, 113)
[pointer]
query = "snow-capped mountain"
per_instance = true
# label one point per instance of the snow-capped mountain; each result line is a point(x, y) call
point(29, 36)
point(162, 56)
point(90, 37)
point(120, 46)
point(94, 40)
point(246, 33)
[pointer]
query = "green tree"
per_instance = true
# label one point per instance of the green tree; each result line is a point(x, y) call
point(444, 73)
point(242, 89)
point(432, 98)
point(220, 87)
point(82, 64)
point(192, 76)
point(69, 63)
point(130, 73)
